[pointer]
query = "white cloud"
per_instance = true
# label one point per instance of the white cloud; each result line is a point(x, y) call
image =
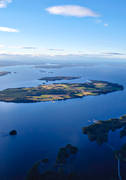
point(1, 46)
point(100, 21)
point(106, 25)
point(52, 49)
point(28, 47)
point(72, 10)
point(7, 29)
point(3, 3)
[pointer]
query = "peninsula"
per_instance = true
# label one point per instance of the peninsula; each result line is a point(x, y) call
point(53, 92)
point(3, 73)
point(99, 130)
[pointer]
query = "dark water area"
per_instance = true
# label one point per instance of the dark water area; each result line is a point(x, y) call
point(45, 127)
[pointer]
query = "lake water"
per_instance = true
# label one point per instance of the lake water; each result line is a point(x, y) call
point(45, 127)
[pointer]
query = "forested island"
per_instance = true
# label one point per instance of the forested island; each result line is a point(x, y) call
point(53, 92)
point(58, 78)
point(3, 73)
point(99, 132)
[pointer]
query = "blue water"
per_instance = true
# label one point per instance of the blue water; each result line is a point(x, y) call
point(45, 127)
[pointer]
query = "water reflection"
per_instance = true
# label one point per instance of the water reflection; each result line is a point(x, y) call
point(60, 169)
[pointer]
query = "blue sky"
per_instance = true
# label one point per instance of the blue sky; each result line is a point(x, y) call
point(86, 28)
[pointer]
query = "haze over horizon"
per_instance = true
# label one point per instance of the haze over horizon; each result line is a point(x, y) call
point(62, 29)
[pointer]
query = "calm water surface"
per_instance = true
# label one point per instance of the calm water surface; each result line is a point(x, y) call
point(45, 127)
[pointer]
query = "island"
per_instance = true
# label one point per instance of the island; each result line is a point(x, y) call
point(54, 92)
point(3, 73)
point(58, 78)
point(13, 132)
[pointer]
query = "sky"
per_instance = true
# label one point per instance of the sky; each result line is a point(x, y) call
point(63, 28)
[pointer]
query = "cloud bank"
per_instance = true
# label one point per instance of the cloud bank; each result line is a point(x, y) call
point(7, 29)
point(4, 3)
point(72, 10)
point(6, 53)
